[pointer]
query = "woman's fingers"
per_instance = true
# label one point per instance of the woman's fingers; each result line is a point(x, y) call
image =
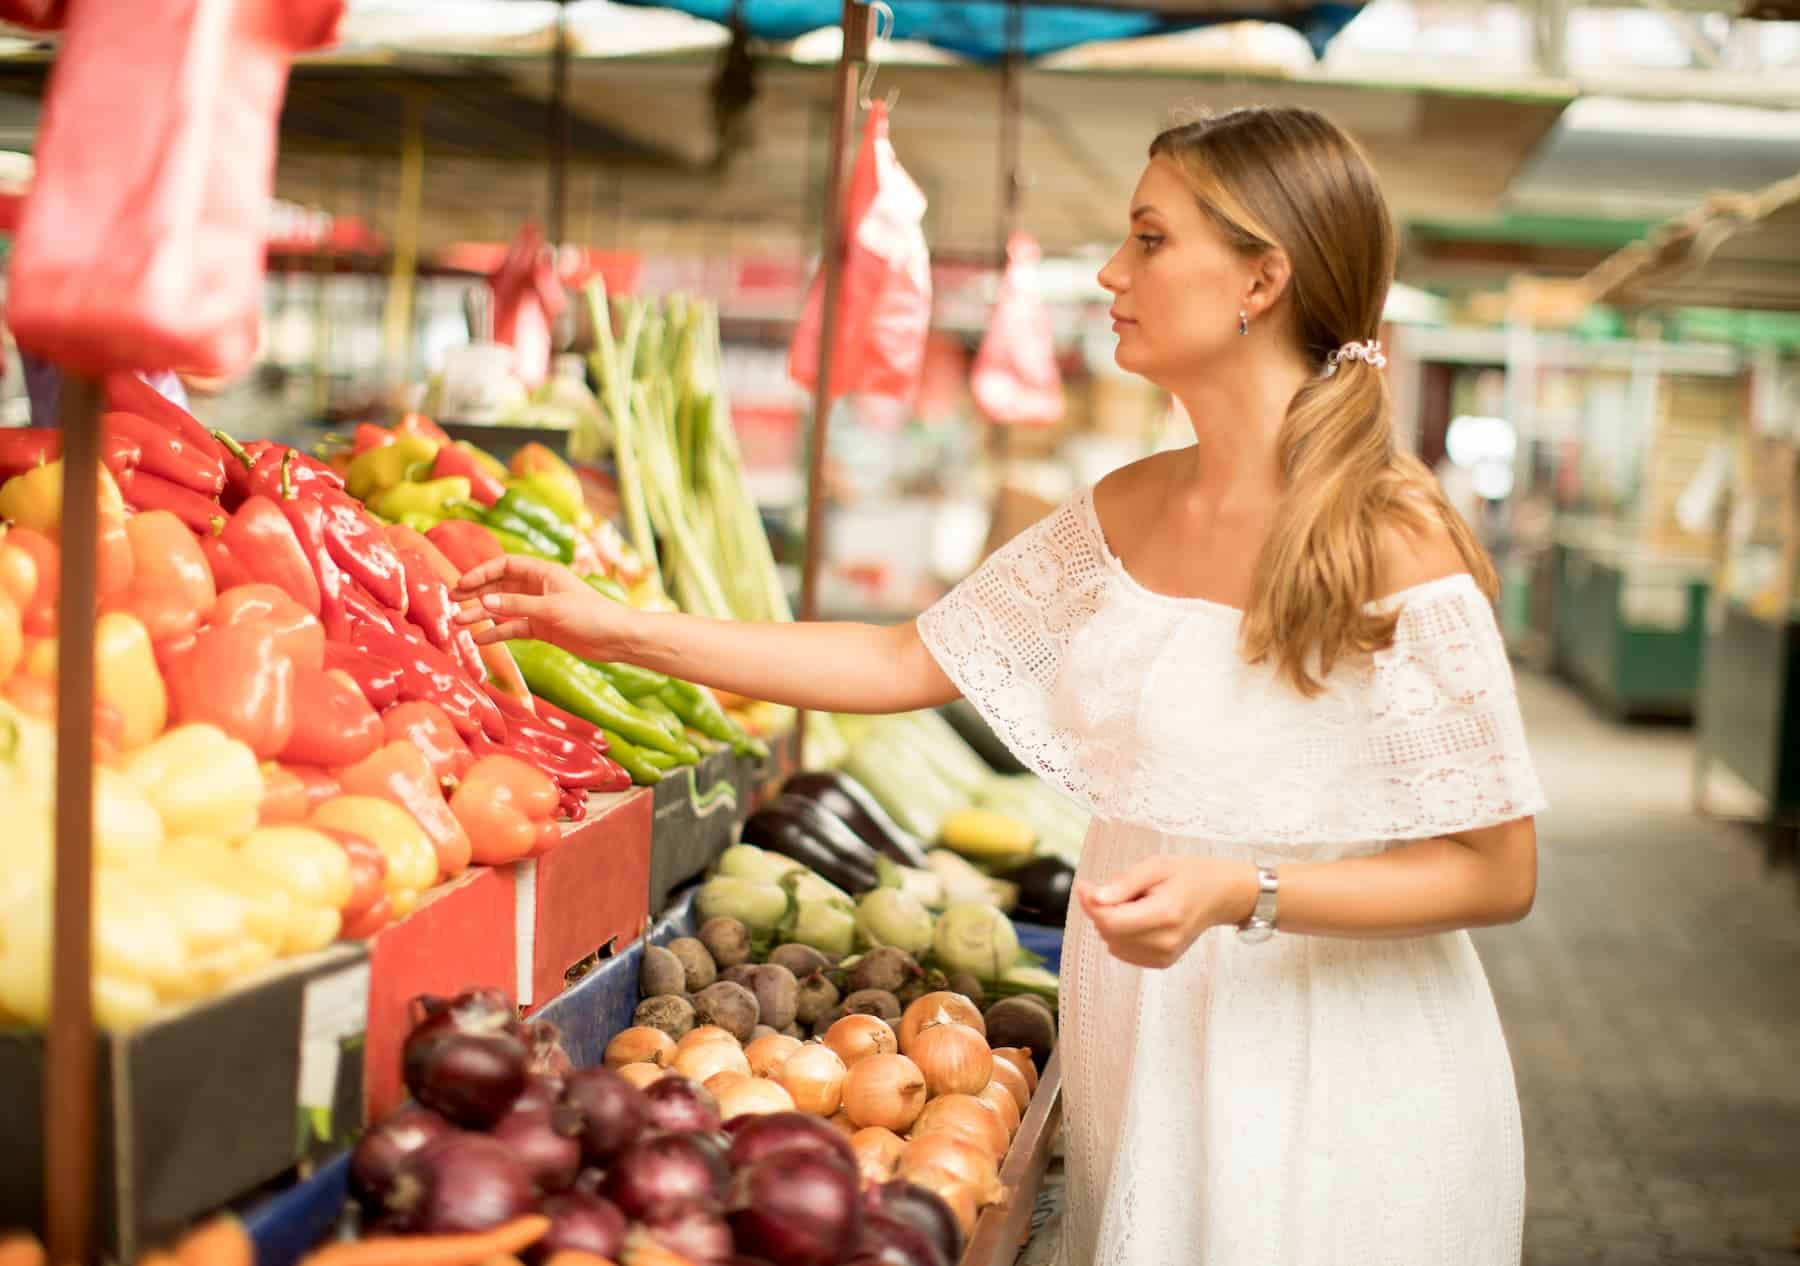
point(505, 631)
point(516, 568)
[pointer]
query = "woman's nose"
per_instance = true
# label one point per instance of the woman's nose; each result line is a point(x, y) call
point(1111, 276)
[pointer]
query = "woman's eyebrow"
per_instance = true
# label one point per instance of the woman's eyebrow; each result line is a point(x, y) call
point(1138, 213)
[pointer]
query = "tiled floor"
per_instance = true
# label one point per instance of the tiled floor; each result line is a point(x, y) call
point(1652, 1003)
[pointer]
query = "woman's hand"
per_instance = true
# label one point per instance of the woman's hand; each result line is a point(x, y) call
point(535, 598)
point(1151, 914)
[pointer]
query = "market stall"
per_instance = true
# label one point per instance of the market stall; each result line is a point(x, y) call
point(1738, 252)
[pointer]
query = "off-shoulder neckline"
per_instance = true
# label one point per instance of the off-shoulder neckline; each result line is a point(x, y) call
point(1090, 517)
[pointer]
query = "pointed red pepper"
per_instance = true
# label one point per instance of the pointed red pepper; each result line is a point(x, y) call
point(454, 459)
point(369, 436)
point(126, 392)
point(466, 544)
point(398, 772)
point(142, 490)
point(307, 517)
point(428, 675)
point(378, 679)
point(261, 538)
point(24, 448)
point(168, 455)
point(422, 426)
point(429, 607)
point(358, 546)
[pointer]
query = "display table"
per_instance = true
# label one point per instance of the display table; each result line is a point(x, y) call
point(1629, 627)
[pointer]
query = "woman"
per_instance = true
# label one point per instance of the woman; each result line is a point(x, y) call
point(1269, 665)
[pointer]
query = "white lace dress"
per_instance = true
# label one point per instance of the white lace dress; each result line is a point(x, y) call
point(1309, 1101)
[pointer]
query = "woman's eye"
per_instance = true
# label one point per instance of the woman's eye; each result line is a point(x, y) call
point(1150, 241)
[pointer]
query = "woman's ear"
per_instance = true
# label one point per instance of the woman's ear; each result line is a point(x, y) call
point(1270, 273)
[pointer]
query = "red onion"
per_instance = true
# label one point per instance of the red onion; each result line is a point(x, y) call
point(667, 1169)
point(612, 1111)
point(694, 1231)
point(386, 1144)
point(797, 1208)
point(547, 1141)
point(460, 1184)
point(920, 1208)
point(679, 1105)
point(475, 1011)
point(583, 1223)
point(887, 1241)
point(544, 1040)
point(764, 1134)
point(541, 1091)
point(471, 1078)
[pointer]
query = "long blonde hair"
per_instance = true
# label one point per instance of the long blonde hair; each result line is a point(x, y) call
point(1280, 178)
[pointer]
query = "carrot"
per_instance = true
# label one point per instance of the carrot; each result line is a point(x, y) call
point(435, 1250)
point(21, 1250)
point(575, 1257)
point(221, 1242)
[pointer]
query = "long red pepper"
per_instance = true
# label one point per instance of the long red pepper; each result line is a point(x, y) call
point(262, 540)
point(307, 517)
point(377, 677)
point(359, 547)
point(26, 448)
point(125, 391)
point(168, 453)
point(145, 491)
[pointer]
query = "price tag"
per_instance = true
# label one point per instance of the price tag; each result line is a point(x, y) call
point(333, 1008)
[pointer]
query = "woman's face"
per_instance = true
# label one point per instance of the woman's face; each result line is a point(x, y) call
point(1177, 285)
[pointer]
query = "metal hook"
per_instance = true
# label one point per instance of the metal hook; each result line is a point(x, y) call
point(878, 10)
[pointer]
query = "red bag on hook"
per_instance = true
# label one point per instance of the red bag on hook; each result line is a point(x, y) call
point(141, 244)
point(527, 300)
point(884, 300)
point(1015, 379)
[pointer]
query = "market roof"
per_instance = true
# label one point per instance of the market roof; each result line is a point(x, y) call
point(1734, 250)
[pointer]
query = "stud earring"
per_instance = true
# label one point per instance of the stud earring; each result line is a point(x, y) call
point(1243, 322)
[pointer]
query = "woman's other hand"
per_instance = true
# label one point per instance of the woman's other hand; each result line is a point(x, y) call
point(1151, 914)
point(534, 598)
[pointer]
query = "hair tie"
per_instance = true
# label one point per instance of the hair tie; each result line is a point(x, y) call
point(1369, 352)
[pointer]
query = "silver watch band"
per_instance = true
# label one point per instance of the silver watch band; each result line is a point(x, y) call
point(1261, 923)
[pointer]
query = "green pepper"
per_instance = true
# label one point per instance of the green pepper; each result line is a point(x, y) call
point(518, 500)
point(632, 759)
point(563, 496)
point(419, 521)
point(504, 521)
point(379, 469)
point(574, 686)
point(607, 587)
point(701, 711)
point(429, 498)
point(654, 708)
point(662, 762)
point(513, 543)
point(631, 681)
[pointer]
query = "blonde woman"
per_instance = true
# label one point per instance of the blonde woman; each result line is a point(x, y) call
point(1269, 665)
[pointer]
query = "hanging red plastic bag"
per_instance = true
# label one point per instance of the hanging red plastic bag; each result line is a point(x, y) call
point(141, 244)
point(527, 301)
point(1015, 380)
point(884, 300)
point(38, 15)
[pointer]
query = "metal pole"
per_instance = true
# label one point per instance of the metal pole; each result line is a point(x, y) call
point(406, 243)
point(69, 1124)
point(856, 51)
point(559, 128)
point(1012, 110)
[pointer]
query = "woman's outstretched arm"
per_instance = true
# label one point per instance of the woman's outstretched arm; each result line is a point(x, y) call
point(826, 667)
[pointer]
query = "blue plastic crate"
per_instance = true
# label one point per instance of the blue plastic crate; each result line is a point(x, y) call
point(285, 1227)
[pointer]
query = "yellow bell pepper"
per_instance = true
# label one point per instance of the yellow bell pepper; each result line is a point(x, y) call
point(34, 499)
point(202, 782)
point(412, 863)
point(269, 911)
point(127, 828)
point(125, 675)
point(12, 637)
point(316, 873)
point(140, 959)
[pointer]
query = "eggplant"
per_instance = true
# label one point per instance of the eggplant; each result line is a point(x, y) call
point(1045, 885)
point(850, 802)
point(800, 829)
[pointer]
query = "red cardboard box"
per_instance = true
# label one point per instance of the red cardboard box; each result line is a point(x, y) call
point(461, 937)
point(592, 888)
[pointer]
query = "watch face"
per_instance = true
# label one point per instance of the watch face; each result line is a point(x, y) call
point(1256, 933)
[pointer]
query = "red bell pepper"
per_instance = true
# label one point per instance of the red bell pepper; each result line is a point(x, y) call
point(168, 454)
point(456, 459)
point(298, 632)
point(172, 588)
point(429, 728)
point(398, 772)
point(467, 545)
point(239, 677)
point(427, 674)
point(358, 546)
point(508, 810)
point(334, 723)
point(38, 617)
point(428, 605)
point(23, 448)
point(125, 392)
point(307, 517)
point(292, 792)
point(227, 572)
point(377, 678)
point(263, 540)
point(422, 426)
point(275, 468)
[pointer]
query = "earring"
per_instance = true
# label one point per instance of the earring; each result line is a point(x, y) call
point(1243, 322)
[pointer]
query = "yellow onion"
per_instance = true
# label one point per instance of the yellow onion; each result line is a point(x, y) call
point(954, 1156)
point(752, 1095)
point(841, 1122)
point(886, 1090)
point(700, 1062)
point(959, 1195)
point(856, 1037)
point(969, 1119)
point(814, 1076)
point(704, 1034)
point(641, 1045)
point(1000, 1099)
point(1007, 1074)
point(954, 1058)
point(716, 1084)
point(769, 1052)
point(1020, 1058)
point(877, 1152)
point(641, 1075)
point(942, 1007)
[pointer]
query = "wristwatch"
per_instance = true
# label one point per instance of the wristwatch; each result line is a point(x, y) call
point(1260, 926)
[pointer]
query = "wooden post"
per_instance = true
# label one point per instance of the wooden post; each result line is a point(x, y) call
point(559, 128)
point(398, 331)
point(69, 1117)
point(855, 21)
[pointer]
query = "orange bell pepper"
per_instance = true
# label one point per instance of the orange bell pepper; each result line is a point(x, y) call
point(333, 723)
point(297, 630)
point(411, 861)
point(12, 637)
point(172, 583)
point(38, 610)
point(508, 808)
point(239, 677)
point(399, 773)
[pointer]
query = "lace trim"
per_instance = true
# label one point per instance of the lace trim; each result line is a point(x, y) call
point(1138, 706)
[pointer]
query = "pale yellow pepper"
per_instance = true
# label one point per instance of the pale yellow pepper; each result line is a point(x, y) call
point(125, 675)
point(201, 780)
point(411, 861)
point(314, 869)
